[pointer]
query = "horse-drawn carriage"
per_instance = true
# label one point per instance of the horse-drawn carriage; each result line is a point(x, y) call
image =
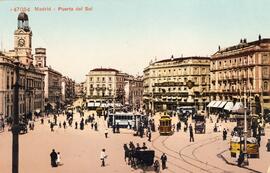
point(143, 159)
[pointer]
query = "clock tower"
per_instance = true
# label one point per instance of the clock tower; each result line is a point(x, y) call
point(23, 40)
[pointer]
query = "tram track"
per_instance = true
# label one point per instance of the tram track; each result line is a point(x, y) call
point(184, 158)
point(194, 158)
point(170, 162)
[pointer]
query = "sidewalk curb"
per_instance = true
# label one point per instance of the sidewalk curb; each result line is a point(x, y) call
point(233, 164)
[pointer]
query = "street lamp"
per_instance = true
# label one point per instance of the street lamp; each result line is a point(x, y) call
point(15, 125)
point(245, 126)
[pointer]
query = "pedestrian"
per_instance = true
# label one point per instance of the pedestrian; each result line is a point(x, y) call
point(118, 128)
point(126, 154)
point(163, 160)
point(149, 136)
point(42, 121)
point(106, 133)
point(138, 147)
point(76, 125)
point(51, 125)
point(82, 124)
point(144, 147)
point(240, 159)
point(58, 160)
point(259, 140)
point(156, 166)
point(64, 124)
point(191, 136)
point(60, 125)
point(113, 127)
point(268, 145)
point(224, 134)
point(3, 125)
point(103, 156)
point(96, 126)
point(53, 156)
point(92, 125)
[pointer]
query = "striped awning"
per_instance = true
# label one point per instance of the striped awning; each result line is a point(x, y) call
point(237, 106)
point(211, 104)
point(222, 104)
point(216, 104)
point(228, 106)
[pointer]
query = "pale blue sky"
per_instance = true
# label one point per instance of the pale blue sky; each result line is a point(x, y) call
point(127, 34)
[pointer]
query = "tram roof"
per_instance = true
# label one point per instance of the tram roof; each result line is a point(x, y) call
point(126, 113)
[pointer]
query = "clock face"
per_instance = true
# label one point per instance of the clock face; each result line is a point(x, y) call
point(21, 42)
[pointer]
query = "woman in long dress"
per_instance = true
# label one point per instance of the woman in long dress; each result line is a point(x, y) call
point(58, 161)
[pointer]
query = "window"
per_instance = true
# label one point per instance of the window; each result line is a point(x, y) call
point(265, 86)
point(265, 72)
point(97, 78)
point(110, 79)
point(103, 79)
point(203, 71)
point(195, 79)
point(265, 59)
point(203, 79)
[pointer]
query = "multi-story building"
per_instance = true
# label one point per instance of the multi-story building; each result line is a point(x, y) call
point(52, 81)
point(173, 82)
point(105, 84)
point(242, 69)
point(31, 92)
point(134, 91)
point(68, 90)
point(79, 89)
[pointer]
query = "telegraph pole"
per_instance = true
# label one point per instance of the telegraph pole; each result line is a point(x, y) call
point(15, 125)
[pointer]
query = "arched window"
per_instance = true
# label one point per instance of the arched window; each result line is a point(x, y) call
point(265, 85)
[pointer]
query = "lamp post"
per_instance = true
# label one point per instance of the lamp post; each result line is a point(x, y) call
point(245, 127)
point(15, 125)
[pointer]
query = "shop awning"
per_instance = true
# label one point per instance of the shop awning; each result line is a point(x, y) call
point(228, 106)
point(222, 104)
point(211, 104)
point(90, 104)
point(237, 106)
point(103, 105)
point(97, 104)
point(216, 104)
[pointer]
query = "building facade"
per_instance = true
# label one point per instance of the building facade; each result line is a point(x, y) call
point(242, 69)
point(52, 80)
point(105, 84)
point(173, 82)
point(68, 90)
point(31, 93)
point(79, 90)
point(134, 91)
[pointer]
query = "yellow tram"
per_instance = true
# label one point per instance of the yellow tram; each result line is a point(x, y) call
point(165, 125)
